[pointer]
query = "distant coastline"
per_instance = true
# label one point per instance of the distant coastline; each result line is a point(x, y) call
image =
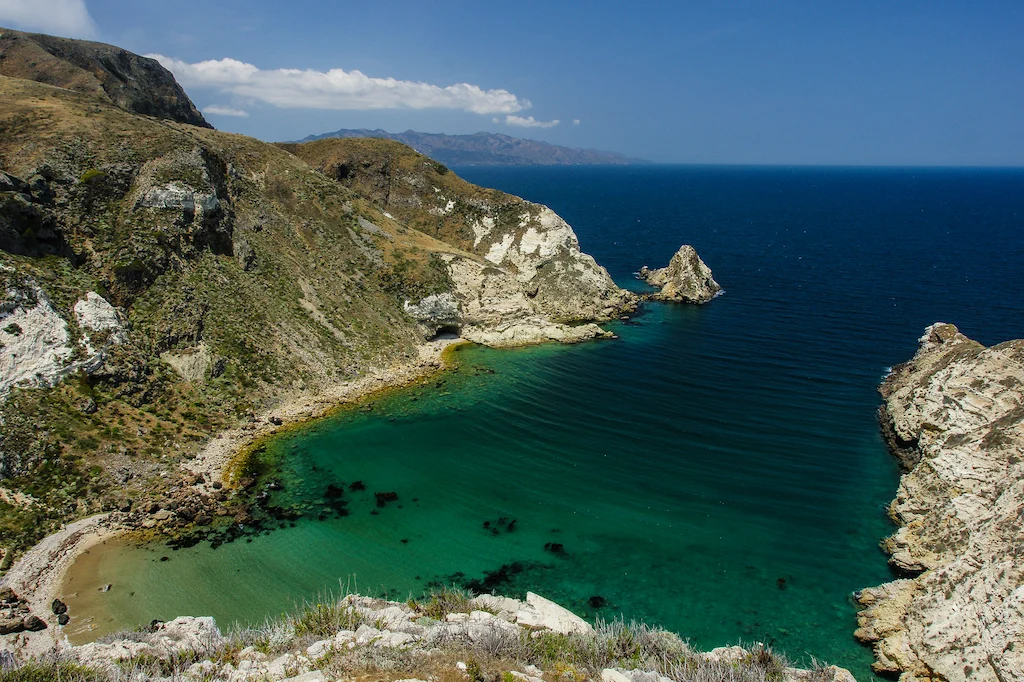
point(489, 149)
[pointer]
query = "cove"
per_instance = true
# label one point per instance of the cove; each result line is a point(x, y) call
point(716, 470)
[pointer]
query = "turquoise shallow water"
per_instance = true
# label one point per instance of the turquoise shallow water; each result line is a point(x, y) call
point(716, 470)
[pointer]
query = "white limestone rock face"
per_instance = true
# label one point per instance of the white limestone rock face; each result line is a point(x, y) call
point(97, 317)
point(539, 612)
point(686, 279)
point(35, 345)
point(176, 196)
point(955, 415)
point(496, 312)
point(185, 634)
point(36, 348)
point(543, 260)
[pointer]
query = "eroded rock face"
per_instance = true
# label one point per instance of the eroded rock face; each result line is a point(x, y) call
point(36, 348)
point(955, 412)
point(686, 279)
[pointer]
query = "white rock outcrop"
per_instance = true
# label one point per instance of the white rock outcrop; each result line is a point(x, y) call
point(539, 612)
point(35, 345)
point(537, 265)
point(686, 279)
point(495, 311)
point(36, 348)
point(95, 315)
point(955, 416)
point(176, 196)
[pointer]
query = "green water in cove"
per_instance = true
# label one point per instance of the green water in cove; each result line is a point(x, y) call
point(716, 470)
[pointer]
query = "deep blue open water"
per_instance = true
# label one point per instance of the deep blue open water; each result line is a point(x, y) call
point(716, 470)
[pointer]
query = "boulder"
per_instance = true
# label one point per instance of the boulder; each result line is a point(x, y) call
point(539, 612)
point(686, 279)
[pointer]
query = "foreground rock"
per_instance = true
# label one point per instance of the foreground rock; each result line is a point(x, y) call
point(375, 636)
point(686, 279)
point(955, 416)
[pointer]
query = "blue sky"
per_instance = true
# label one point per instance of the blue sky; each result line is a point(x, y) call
point(911, 83)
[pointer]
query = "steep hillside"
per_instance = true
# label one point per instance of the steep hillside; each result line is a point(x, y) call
point(134, 83)
point(528, 259)
point(488, 149)
point(163, 282)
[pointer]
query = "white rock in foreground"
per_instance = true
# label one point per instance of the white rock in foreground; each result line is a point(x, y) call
point(544, 613)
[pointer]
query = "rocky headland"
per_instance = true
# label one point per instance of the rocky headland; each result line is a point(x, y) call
point(171, 294)
point(686, 279)
point(954, 416)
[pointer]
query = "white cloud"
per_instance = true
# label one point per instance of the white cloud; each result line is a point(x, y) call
point(336, 89)
point(218, 110)
point(529, 122)
point(69, 18)
point(575, 121)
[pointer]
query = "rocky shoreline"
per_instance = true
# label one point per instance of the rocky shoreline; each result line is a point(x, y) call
point(954, 417)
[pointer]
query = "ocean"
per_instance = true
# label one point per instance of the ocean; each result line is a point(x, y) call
point(716, 470)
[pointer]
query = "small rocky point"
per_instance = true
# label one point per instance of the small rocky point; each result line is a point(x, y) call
point(954, 416)
point(686, 279)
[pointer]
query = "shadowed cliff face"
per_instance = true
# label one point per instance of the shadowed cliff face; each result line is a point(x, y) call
point(134, 83)
point(954, 415)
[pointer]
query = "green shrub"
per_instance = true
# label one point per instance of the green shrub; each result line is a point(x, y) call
point(91, 175)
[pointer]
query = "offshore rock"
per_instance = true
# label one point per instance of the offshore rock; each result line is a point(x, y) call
point(956, 413)
point(686, 279)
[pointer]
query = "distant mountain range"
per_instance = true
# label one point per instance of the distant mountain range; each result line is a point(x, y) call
point(489, 149)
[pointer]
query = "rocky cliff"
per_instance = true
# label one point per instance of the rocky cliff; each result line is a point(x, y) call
point(954, 415)
point(686, 279)
point(162, 282)
point(136, 84)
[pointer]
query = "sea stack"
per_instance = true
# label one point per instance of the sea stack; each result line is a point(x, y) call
point(686, 279)
point(954, 415)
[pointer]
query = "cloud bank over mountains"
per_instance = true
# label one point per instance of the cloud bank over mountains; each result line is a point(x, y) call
point(336, 89)
point(68, 18)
